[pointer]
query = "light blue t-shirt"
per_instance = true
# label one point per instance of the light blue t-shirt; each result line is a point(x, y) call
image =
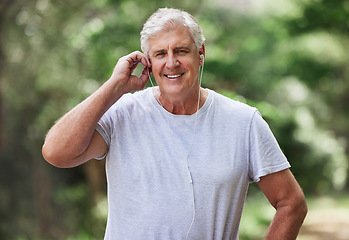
point(150, 194)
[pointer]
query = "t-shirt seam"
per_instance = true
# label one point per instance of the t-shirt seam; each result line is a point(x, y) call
point(248, 144)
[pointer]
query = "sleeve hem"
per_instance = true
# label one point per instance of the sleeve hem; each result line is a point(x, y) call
point(270, 170)
point(100, 130)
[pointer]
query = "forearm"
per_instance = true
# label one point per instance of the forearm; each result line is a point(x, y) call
point(287, 222)
point(71, 134)
point(286, 196)
point(71, 141)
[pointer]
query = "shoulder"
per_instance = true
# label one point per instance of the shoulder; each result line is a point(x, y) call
point(231, 107)
point(130, 104)
point(131, 100)
point(135, 97)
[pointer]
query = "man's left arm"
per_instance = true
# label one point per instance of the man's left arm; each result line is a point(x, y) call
point(286, 196)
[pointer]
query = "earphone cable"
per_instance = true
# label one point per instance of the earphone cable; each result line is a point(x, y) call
point(191, 145)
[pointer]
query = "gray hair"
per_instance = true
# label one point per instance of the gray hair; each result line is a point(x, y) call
point(167, 18)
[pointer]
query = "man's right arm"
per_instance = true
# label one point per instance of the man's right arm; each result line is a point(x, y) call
point(73, 140)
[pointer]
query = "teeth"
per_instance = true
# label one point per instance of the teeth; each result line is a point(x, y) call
point(174, 76)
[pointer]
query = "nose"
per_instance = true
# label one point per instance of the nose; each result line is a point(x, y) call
point(171, 61)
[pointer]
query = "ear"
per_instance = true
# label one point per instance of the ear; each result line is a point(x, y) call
point(202, 53)
point(150, 69)
point(202, 50)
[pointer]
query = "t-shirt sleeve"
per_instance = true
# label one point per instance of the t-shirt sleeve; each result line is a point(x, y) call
point(265, 155)
point(104, 128)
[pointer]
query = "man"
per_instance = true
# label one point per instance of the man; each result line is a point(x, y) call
point(179, 158)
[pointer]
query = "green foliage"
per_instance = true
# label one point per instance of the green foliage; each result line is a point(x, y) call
point(256, 217)
point(289, 62)
point(331, 15)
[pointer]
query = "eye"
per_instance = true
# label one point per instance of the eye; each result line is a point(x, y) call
point(182, 51)
point(159, 54)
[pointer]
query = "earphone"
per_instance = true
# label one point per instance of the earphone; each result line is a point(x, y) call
point(202, 57)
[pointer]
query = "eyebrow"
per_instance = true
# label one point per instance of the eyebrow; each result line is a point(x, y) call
point(183, 47)
point(175, 49)
point(159, 51)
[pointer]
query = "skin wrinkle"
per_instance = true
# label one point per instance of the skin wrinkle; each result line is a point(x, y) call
point(173, 53)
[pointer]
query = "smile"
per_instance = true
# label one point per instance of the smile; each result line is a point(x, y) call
point(174, 76)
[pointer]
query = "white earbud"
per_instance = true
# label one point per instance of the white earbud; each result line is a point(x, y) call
point(202, 58)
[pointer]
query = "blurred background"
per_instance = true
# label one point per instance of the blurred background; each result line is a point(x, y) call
point(288, 58)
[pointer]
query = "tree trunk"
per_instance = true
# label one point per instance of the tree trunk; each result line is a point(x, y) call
point(3, 7)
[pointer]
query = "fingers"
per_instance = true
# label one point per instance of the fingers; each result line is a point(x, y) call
point(123, 71)
point(137, 57)
point(137, 83)
point(145, 75)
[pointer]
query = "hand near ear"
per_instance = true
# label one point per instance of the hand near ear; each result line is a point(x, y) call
point(123, 72)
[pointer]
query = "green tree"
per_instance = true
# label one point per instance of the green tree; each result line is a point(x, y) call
point(320, 61)
point(53, 54)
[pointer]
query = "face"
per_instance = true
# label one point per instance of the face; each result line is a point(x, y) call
point(175, 61)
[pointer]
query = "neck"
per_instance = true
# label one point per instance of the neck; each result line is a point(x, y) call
point(180, 105)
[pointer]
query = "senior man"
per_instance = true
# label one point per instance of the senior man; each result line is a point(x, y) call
point(179, 158)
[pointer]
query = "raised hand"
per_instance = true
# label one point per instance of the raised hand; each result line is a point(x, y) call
point(123, 72)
